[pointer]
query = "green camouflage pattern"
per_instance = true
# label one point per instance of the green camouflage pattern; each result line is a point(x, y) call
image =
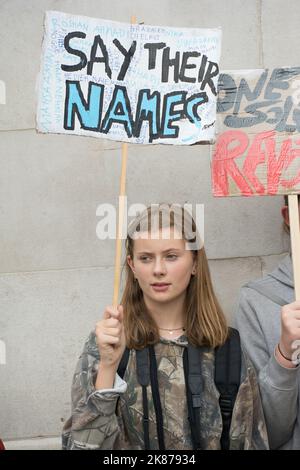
point(115, 421)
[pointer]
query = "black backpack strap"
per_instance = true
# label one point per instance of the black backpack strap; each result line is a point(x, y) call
point(227, 380)
point(146, 368)
point(143, 376)
point(123, 363)
point(194, 385)
point(122, 368)
point(266, 292)
point(156, 398)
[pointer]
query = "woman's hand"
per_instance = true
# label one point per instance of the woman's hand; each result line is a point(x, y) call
point(111, 337)
point(290, 329)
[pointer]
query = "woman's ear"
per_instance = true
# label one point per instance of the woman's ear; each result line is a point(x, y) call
point(285, 215)
point(130, 263)
point(194, 268)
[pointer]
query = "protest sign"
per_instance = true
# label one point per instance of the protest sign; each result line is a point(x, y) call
point(257, 147)
point(128, 82)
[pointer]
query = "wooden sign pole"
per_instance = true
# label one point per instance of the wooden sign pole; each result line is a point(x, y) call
point(295, 241)
point(120, 217)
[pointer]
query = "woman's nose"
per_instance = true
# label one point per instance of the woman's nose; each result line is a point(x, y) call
point(159, 267)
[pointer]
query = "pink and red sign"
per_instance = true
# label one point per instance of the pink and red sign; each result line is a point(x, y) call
point(257, 149)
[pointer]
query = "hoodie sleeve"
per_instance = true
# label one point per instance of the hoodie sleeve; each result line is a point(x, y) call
point(278, 385)
point(93, 423)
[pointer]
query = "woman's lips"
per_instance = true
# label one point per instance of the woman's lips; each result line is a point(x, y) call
point(160, 287)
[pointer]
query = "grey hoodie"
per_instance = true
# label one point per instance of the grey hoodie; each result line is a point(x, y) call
point(258, 320)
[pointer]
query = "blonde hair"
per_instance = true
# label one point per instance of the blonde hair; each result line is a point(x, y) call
point(205, 321)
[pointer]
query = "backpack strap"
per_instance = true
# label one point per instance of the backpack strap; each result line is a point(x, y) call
point(156, 398)
point(143, 376)
point(266, 292)
point(123, 363)
point(193, 383)
point(227, 380)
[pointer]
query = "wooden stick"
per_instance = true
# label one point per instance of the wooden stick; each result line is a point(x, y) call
point(120, 225)
point(120, 217)
point(295, 241)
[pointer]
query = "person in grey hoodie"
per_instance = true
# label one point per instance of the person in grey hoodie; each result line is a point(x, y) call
point(268, 320)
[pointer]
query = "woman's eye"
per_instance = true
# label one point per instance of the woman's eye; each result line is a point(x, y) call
point(172, 257)
point(144, 258)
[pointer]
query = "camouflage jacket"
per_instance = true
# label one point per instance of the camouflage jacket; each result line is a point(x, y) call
point(112, 419)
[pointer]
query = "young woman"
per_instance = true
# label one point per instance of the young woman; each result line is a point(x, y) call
point(174, 330)
point(268, 320)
